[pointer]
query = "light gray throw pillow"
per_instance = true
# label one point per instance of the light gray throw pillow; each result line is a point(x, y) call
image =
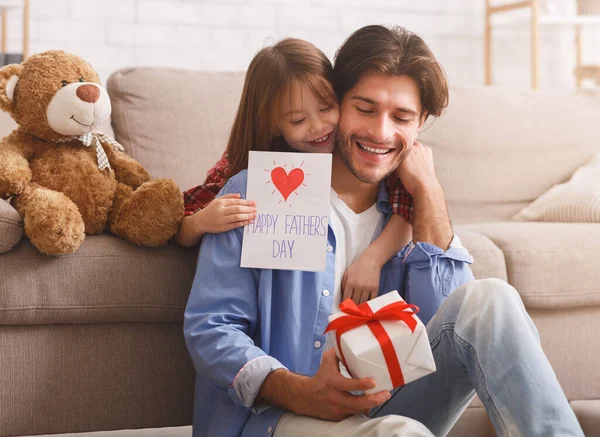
point(577, 200)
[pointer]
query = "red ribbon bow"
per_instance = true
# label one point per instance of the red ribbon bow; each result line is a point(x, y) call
point(358, 315)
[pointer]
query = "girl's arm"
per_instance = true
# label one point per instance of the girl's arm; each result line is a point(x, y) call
point(361, 279)
point(194, 200)
point(188, 234)
point(220, 215)
point(205, 213)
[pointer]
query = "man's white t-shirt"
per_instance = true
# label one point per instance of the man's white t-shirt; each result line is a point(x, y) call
point(353, 234)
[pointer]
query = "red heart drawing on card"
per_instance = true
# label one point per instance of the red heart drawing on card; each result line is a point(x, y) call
point(286, 183)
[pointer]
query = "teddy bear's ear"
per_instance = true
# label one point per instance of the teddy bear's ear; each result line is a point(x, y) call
point(9, 76)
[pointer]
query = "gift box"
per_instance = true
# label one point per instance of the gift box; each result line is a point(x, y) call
point(382, 339)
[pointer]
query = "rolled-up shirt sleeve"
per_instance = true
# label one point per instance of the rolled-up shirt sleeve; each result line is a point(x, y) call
point(221, 318)
point(249, 379)
point(432, 274)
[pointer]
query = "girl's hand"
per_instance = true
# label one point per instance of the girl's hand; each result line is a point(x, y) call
point(224, 213)
point(361, 280)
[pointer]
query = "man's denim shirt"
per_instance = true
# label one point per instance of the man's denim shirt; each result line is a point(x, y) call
point(243, 323)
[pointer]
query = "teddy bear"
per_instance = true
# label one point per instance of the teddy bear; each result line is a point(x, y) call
point(65, 178)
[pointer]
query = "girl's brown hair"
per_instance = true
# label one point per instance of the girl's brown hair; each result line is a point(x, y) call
point(394, 52)
point(270, 75)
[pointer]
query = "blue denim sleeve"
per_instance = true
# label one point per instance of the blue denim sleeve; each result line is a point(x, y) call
point(221, 317)
point(432, 274)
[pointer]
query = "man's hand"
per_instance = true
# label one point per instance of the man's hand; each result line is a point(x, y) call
point(417, 170)
point(324, 396)
point(431, 223)
point(224, 213)
point(327, 394)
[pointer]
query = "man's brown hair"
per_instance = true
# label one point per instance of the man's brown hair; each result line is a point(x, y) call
point(269, 79)
point(392, 51)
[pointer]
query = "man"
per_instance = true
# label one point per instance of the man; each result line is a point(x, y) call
point(256, 336)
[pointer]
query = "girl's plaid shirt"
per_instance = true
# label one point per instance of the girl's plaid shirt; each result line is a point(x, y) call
point(200, 196)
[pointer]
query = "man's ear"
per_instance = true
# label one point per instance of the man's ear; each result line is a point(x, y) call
point(9, 76)
point(423, 119)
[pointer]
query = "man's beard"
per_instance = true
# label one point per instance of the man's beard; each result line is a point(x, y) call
point(346, 144)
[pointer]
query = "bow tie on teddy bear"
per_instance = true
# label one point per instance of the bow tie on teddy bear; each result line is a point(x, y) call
point(96, 139)
point(62, 191)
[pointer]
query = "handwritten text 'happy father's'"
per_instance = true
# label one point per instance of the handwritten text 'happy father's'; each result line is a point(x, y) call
point(293, 225)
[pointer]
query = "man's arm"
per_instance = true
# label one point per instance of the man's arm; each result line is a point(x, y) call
point(433, 273)
point(436, 262)
point(221, 316)
point(431, 223)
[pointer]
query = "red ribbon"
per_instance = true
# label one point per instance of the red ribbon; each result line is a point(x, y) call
point(358, 315)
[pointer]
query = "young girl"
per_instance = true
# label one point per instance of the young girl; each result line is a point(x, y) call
point(288, 104)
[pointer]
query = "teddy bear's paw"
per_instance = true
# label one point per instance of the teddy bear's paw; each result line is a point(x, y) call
point(14, 179)
point(53, 223)
point(10, 188)
point(151, 216)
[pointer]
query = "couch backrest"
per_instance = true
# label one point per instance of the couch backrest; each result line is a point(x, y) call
point(175, 122)
point(495, 149)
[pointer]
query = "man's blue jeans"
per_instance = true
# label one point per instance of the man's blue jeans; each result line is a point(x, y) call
point(484, 341)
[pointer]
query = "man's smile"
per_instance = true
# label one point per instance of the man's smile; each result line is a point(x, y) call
point(374, 150)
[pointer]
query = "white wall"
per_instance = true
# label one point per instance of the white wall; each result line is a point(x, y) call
point(225, 34)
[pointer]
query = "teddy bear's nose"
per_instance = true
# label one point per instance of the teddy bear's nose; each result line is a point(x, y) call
point(88, 93)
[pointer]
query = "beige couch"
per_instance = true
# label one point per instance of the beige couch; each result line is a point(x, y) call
point(93, 340)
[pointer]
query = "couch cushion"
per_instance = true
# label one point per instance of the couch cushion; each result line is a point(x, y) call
point(588, 413)
point(106, 280)
point(496, 150)
point(488, 260)
point(570, 341)
point(65, 378)
point(551, 264)
point(11, 226)
point(175, 122)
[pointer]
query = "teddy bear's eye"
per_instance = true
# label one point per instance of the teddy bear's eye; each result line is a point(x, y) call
point(81, 79)
point(63, 83)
